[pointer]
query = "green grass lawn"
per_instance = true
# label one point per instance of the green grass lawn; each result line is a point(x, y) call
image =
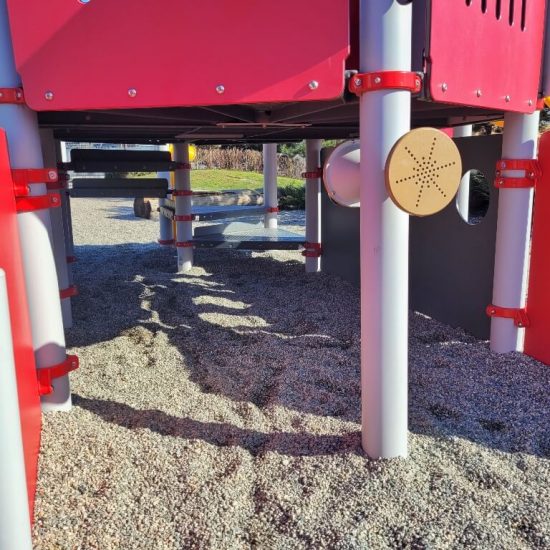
point(219, 180)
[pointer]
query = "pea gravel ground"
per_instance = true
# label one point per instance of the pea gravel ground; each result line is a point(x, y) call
point(220, 409)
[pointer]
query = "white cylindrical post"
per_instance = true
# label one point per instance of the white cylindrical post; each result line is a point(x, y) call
point(49, 153)
point(15, 524)
point(184, 203)
point(513, 232)
point(385, 45)
point(463, 195)
point(21, 127)
point(270, 185)
point(313, 206)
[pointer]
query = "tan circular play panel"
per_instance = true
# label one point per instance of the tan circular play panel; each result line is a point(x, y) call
point(423, 171)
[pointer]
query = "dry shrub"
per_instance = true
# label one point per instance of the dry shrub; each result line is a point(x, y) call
point(246, 160)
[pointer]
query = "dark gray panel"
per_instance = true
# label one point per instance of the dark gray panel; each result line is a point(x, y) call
point(451, 262)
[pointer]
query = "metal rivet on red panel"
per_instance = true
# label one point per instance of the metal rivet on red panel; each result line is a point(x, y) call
point(220, 88)
point(132, 92)
point(507, 99)
point(313, 85)
point(478, 92)
point(444, 87)
point(48, 95)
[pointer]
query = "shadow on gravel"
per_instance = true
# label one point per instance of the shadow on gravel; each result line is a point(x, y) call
point(260, 330)
point(221, 434)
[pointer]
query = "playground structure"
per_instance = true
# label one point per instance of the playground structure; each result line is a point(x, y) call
point(366, 70)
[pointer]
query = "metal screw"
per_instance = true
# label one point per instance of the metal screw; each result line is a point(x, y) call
point(530, 103)
point(132, 92)
point(220, 88)
point(503, 164)
point(313, 85)
point(54, 200)
point(48, 95)
point(52, 174)
point(507, 99)
point(417, 82)
point(377, 80)
point(520, 324)
point(358, 81)
point(478, 92)
point(493, 311)
point(444, 87)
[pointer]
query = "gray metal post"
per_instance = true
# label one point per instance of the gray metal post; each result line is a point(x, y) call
point(313, 204)
point(270, 185)
point(15, 525)
point(520, 140)
point(49, 153)
point(385, 45)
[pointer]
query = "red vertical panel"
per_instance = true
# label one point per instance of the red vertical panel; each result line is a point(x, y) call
point(480, 57)
point(537, 336)
point(11, 263)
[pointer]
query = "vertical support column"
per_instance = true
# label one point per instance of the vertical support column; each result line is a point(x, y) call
point(21, 127)
point(385, 44)
point(183, 216)
point(67, 218)
point(513, 233)
point(166, 228)
point(15, 524)
point(463, 195)
point(313, 206)
point(49, 153)
point(270, 185)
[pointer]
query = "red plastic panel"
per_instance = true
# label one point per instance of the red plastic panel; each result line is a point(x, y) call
point(486, 53)
point(126, 54)
point(10, 262)
point(537, 343)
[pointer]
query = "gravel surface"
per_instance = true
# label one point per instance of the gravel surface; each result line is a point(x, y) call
point(220, 409)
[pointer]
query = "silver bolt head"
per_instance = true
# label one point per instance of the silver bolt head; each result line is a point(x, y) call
point(377, 80)
point(357, 81)
point(48, 96)
point(507, 99)
point(530, 103)
point(478, 93)
point(313, 85)
point(52, 175)
point(132, 92)
point(444, 87)
point(220, 88)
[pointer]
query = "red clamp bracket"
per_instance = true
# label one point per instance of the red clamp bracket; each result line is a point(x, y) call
point(518, 315)
point(313, 175)
point(183, 218)
point(68, 292)
point(166, 241)
point(181, 193)
point(41, 202)
point(183, 166)
point(46, 375)
point(385, 80)
point(272, 210)
point(12, 95)
point(23, 177)
point(533, 173)
point(312, 250)
point(71, 259)
point(184, 244)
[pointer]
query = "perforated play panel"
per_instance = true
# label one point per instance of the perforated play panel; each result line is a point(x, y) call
point(486, 53)
point(423, 171)
point(125, 54)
